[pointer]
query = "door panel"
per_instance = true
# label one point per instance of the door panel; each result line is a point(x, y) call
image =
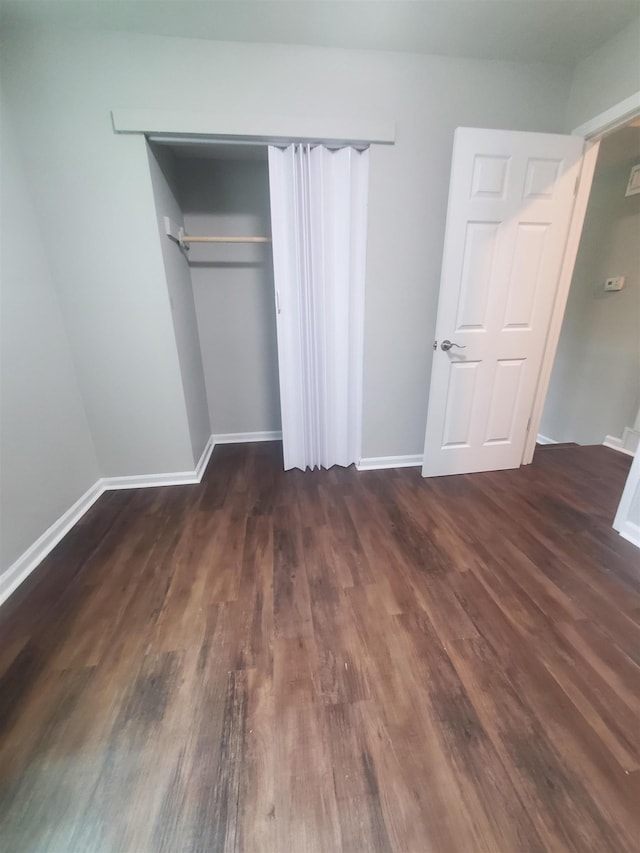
point(510, 203)
point(505, 395)
point(524, 282)
point(463, 379)
point(477, 261)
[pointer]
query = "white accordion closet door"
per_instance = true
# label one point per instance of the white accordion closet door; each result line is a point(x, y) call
point(318, 222)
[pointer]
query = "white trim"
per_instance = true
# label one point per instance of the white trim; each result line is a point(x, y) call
point(173, 478)
point(616, 444)
point(376, 463)
point(544, 439)
point(631, 439)
point(608, 120)
point(562, 294)
point(242, 437)
point(205, 456)
point(596, 127)
point(148, 481)
point(628, 525)
point(35, 554)
point(265, 128)
point(630, 532)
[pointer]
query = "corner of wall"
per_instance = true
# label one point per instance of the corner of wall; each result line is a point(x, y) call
point(48, 452)
point(177, 278)
point(606, 77)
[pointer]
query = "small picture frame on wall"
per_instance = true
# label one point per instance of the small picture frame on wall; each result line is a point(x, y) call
point(633, 187)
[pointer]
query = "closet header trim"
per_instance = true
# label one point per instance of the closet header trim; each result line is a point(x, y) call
point(270, 129)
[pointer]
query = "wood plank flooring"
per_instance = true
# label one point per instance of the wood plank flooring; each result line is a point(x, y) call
point(330, 661)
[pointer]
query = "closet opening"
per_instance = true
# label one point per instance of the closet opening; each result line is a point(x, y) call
point(264, 250)
point(222, 293)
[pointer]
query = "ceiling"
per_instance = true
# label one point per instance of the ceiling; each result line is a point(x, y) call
point(558, 31)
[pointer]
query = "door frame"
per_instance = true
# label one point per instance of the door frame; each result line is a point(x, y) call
point(593, 131)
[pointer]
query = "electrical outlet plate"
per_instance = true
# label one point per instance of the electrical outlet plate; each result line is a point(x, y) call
point(616, 283)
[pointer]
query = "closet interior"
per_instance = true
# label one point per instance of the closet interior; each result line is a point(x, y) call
point(222, 294)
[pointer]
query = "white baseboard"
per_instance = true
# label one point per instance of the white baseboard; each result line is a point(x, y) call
point(20, 570)
point(35, 554)
point(544, 439)
point(174, 478)
point(631, 439)
point(376, 463)
point(630, 532)
point(242, 437)
point(149, 481)
point(616, 444)
point(201, 467)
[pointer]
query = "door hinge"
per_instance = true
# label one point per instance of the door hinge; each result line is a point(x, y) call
point(528, 424)
point(575, 189)
point(435, 344)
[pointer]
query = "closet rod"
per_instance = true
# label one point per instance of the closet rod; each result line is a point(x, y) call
point(185, 239)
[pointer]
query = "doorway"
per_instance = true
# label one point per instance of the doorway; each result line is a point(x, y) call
point(594, 391)
point(221, 294)
point(270, 343)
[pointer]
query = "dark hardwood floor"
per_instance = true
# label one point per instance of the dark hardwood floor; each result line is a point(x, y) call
point(335, 661)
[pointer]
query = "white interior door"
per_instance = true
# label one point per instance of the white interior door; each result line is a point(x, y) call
point(510, 202)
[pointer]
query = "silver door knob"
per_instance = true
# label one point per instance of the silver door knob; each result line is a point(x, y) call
point(446, 345)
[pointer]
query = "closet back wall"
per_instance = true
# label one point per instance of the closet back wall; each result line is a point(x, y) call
point(233, 290)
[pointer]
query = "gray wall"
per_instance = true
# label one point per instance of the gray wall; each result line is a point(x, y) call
point(93, 197)
point(233, 289)
point(595, 384)
point(47, 458)
point(608, 76)
point(163, 180)
point(112, 279)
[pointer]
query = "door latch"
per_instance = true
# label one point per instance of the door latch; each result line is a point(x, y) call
point(446, 345)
